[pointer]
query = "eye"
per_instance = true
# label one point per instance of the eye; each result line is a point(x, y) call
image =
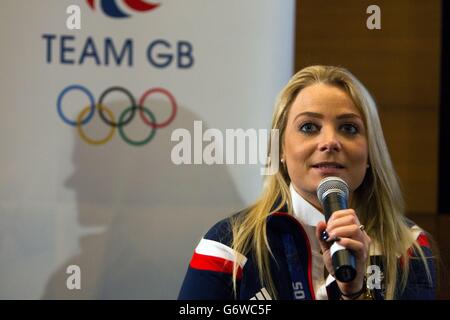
point(350, 128)
point(308, 128)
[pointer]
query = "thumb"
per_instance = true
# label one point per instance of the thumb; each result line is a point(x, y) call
point(321, 227)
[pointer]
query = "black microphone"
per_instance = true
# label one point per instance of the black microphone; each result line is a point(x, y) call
point(333, 193)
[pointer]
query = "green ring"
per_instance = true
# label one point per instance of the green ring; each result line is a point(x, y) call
point(122, 132)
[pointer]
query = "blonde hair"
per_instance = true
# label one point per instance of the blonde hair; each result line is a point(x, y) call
point(378, 201)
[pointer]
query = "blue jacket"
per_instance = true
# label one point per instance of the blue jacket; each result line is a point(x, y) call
point(209, 276)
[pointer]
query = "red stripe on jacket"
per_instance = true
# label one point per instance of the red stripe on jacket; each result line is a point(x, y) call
point(211, 263)
point(422, 240)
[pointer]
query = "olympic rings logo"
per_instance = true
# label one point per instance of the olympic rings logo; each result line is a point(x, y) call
point(108, 117)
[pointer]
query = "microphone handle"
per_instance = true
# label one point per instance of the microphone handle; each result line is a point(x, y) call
point(334, 202)
point(344, 262)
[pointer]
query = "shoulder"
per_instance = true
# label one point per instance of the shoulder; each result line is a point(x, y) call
point(419, 235)
point(218, 241)
point(222, 230)
point(211, 266)
point(217, 244)
point(422, 275)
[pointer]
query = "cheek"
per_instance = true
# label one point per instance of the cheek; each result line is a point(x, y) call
point(365, 154)
point(358, 153)
point(359, 161)
point(296, 150)
point(298, 156)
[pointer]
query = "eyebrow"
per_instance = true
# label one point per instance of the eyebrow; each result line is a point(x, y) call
point(320, 116)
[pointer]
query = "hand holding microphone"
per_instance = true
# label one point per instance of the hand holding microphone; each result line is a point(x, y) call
point(342, 239)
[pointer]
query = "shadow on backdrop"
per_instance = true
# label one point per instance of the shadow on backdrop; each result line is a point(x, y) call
point(151, 212)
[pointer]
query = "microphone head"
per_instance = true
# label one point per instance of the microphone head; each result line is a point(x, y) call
point(329, 185)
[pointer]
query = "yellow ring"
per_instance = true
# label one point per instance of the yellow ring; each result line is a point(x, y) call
point(83, 134)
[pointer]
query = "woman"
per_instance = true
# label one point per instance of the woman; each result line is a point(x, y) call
point(279, 247)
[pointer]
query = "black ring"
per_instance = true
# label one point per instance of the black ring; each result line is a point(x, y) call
point(132, 113)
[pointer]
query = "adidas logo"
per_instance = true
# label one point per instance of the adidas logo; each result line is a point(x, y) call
point(262, 295)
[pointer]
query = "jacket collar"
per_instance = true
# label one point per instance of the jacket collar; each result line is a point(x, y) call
point(304, 211)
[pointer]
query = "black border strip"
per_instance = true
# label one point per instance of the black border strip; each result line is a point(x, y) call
point(444, 115)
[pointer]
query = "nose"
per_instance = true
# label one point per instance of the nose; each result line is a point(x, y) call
point(329, 141)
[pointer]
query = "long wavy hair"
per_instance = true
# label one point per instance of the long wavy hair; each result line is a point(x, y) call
point(378, 201)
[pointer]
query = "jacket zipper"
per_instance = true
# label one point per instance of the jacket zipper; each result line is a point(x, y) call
point(308, 245)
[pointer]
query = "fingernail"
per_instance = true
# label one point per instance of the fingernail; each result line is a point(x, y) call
point(325, 235)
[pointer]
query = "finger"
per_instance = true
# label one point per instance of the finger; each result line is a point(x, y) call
point(341, 213)
point(367, 239)
point(358, 247)
point(321, 227)
point(349, 231)
point(342, 221)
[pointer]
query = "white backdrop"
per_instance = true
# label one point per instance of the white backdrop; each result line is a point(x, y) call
point(126, 215)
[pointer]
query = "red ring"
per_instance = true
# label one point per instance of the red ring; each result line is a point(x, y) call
point(172, 101)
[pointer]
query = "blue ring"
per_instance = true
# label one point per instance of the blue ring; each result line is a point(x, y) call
point(91, 99)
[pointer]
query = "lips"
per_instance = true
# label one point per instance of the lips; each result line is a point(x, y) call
point(328, 165)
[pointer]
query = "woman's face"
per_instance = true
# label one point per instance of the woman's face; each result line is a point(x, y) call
point(325, 136)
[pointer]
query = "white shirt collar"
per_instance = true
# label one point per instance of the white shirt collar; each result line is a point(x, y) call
point(303, 210)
